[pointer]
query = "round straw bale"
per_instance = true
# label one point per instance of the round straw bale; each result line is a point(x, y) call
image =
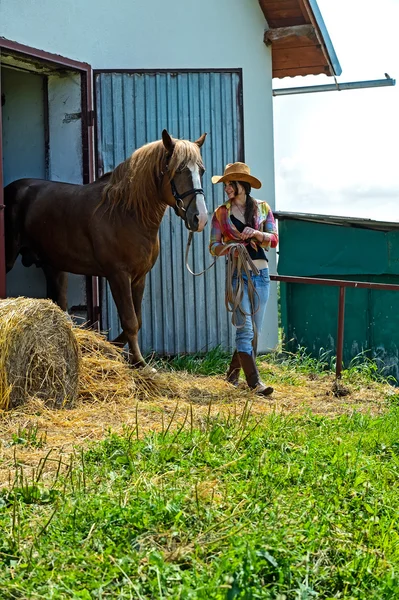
point(39, 355)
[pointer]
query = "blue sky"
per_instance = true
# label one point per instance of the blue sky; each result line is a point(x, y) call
point(337, 153)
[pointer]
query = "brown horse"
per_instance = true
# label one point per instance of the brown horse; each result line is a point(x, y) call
point(108, 228)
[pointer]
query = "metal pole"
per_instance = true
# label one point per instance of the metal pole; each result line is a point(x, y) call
point(343, 284)
point(340, 333)
point(2, 239)
point(336, 282)
point(331, 87)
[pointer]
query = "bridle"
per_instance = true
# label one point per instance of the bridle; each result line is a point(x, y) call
point(179, 204)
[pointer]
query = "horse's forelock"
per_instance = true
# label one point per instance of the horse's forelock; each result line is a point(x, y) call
point(184, 153)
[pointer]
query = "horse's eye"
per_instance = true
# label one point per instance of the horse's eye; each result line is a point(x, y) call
point(202, 171)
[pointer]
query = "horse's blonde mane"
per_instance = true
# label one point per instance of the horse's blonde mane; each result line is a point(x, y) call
point(135, 183)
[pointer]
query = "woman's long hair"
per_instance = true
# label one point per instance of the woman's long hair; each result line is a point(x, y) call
point(250, 204)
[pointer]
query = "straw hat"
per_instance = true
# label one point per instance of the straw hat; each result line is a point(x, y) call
point(237, 171)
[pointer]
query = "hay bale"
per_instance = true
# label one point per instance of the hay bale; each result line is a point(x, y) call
point(39, 355)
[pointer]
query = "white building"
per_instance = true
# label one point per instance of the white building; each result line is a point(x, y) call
point(85, 83)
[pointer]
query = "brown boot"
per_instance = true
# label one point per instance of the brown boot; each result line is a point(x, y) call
point(233, 372)
point(252, 375)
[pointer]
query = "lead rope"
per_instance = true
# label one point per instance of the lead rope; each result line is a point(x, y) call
point(239, 262)
point(190, 239)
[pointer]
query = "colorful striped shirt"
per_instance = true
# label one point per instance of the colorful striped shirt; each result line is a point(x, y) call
point(223, 230)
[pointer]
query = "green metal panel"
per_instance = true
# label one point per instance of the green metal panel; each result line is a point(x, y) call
point(310, 312)
point(393, 252)
point(310, 249)
point(311, 319)
point(385, 326)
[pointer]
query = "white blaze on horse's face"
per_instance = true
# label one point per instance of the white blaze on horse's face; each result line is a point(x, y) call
point(199, 198)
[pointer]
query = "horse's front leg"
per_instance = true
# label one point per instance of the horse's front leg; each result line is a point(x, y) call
point(121, 289)
point(137, 296)
point(57, 286)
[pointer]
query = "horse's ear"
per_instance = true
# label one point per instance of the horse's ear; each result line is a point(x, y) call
point(168, 142)
point(201, 140)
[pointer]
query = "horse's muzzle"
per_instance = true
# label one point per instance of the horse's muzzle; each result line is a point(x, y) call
point(197, 215)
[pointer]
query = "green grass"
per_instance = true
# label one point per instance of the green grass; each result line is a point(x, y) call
point(29, 436)
point(361, 370)
point(209, 363)
point(289, 508)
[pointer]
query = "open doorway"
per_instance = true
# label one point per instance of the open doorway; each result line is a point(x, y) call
point(44, 128)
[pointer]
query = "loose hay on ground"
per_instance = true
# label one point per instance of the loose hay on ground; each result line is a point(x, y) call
point(39, 355)
point(106, 375)
point(113, 397)
point(104, 372)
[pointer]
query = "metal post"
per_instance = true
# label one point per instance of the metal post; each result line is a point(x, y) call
point(342, 284)
point(332, 87)
point(3, 292)
point(340, 334)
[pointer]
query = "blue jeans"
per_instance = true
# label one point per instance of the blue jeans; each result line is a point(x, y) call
point(245, 334)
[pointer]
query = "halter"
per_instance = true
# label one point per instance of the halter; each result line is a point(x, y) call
point(179, 204)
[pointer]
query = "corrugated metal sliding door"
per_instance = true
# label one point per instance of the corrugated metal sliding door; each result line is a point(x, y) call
point(181, 313)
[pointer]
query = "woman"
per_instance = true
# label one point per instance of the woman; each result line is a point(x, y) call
point(242, 219)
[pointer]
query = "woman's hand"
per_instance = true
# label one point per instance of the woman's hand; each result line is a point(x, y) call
point(249, 232)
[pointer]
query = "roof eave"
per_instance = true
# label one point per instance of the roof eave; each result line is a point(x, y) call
point(300, 41)
point(342, 221)
point(328, 45)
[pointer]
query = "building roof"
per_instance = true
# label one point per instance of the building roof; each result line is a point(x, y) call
point(337, 220)
point(299, 39)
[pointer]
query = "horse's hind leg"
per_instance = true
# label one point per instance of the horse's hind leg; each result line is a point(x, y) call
point(57, 286)
point(122, 294)
point(121, 340)
point(12, 251)
point(12, 242)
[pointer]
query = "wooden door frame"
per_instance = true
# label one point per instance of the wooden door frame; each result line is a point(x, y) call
point(86, 78)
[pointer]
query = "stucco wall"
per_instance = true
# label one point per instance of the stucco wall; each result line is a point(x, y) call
point(180, 34)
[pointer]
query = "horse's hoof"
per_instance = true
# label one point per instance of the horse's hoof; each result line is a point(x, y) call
point(148, 370)
point(144, 368)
